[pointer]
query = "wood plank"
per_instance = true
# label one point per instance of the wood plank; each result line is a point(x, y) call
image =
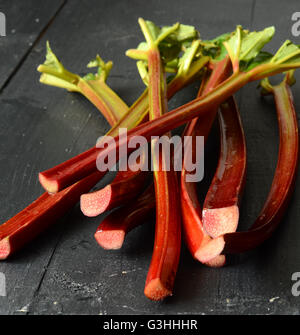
point(25, 21)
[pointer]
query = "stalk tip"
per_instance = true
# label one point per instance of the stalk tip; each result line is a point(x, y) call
point(110, 239)
point(219, 221)
point(155, 290)
point(5, 248)
point(211, 250)
point(95, 203)
point(51, 186)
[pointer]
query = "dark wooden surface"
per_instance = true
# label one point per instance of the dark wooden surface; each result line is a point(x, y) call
point(64, 271)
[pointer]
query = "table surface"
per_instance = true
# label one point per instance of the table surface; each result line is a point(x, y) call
point(64, 271)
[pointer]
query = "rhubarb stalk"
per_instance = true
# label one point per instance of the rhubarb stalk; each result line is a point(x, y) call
point(113, 229)
point(283, 181)
point(44, 211)
point(165, 257)
point(92, 86)
point(195, 235)
point(124, 188)
point(221, 205)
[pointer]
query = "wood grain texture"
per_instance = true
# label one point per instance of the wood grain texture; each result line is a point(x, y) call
point(25, 23)
point(64, 271)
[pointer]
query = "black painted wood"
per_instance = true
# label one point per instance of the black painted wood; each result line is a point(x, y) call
point(64, 271)
point(25, 22)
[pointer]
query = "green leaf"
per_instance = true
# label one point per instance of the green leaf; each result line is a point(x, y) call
point(287, 53)
point(170, 44)
point(55, 74)
point(103, 69)
point(286, 58)
point(233, 45)
point(261, 58)
point(51, 60)
point(182, 34)
point(215, 47)
point(187, 58)
point(244, 46)
point(155, 31)
point(253, 42)
point(168, 51)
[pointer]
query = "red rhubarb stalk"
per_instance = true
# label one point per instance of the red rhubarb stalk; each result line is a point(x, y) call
point(195, 235)
point(282, 185)
point(221, 206)
point(166, 251)
point(113, 229)
point(44, 211)
point(125, 187)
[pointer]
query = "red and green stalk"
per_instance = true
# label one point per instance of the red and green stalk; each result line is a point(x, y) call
point(166, 251)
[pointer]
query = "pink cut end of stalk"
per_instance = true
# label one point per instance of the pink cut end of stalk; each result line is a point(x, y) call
point(95, 203)
point(4, 248)
point(110, 239)
point(217, 262)
point(155, 290)
point(51, 186)
point(220, 221)
point(211, 250)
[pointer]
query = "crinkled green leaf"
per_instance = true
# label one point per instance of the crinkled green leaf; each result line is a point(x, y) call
point(188, 56)
point(51, 60)
point(215, 47)
point(245, 46)
point(182, 34)
point(233, 45)
point(103, 69)
point(253, 42)
point(169, 52)
point(54, 73)
point(286, 58)
point(143, 46)
point(154, 29)
point(171, 46)
point(261, 58)
point(287, 53)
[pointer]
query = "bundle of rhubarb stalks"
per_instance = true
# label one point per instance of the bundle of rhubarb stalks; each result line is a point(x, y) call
point(170, 58)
